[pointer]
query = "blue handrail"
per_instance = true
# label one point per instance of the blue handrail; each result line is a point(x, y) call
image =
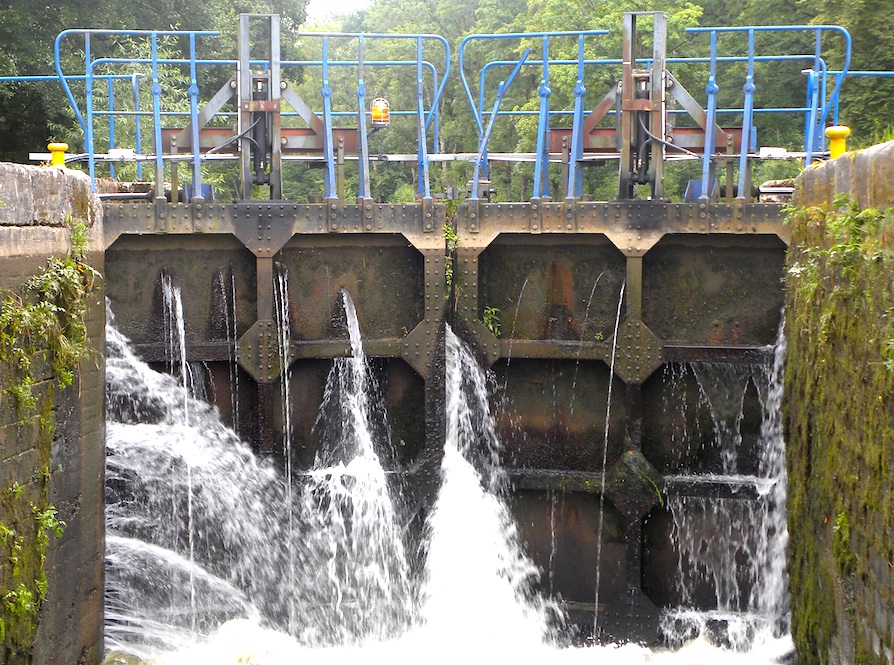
point(825, 103)
point(425, 111)
point(821, 100)
point(541, 163)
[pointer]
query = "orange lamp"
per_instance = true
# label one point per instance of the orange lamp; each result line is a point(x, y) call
point(380, 112)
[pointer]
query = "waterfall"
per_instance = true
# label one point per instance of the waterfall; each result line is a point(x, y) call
point(334, 581)
point(157, 462)
point(474, 549)
point(364, 591)
point(737, 544)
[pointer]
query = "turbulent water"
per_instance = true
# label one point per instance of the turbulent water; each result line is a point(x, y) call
point(212, 558)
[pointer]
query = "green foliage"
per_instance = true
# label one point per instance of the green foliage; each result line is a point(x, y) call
point(43, 335)
point(451, 241)
point(841, 544)
point(48, 317)
point(491, 318)
point(839, 388)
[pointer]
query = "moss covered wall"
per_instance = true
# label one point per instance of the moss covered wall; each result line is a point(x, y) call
point(51, 448)
point(839, 399)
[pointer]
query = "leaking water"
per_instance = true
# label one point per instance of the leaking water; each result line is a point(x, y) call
point(277, 578)
point(608, 408)
point(720, 549)
point(580, 346)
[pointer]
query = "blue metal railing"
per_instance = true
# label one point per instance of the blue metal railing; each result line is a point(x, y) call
point(821, 89)
point(541, 159)
point(425, 118)
point(819, 104)
point(154, 62)
point(428, 83)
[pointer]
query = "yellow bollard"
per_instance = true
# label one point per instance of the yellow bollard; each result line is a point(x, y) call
point(837, 140)
point(57, 153)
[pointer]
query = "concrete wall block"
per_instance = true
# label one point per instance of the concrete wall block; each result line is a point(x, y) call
point(882, 194)
point(842, 170)
point(815, 185)
point(866, 175)
point(39, 196)
point(35, 206)
point(861, 178)
point(805, 189)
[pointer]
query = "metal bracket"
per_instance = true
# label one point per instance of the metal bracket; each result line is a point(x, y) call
point(261, 106)
point(258, 352)
point(263, 228)
point(536, 218)
point(639, 352)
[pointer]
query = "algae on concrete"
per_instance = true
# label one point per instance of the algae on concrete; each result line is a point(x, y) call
point(839, 418)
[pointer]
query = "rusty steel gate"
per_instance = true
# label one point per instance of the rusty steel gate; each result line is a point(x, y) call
point(565, 300)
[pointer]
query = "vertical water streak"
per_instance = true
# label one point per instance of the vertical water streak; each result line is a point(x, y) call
point(770, 595)
point(284, 348)
point(363, 589)
point(229, 300)
point(553, 507)
point(583, 327)
point(723, 387)
point(176, 327)
point(737, 545)
point(514, 322)
point(475, 566)
point(608, 411)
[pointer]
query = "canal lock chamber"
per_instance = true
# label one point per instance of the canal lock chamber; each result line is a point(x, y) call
point(652, 493)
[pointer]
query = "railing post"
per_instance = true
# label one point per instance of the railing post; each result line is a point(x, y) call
point(363, 161)
point(574, 184)
point(541, 164)
point(111, 89)
point(329, 190)
point(744, 193)
point(156, 118)
point(424, 188)
point(711, 88)
point(197, 196)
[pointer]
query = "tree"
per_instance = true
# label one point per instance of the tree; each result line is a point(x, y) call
point(867, 104)
point(32, 113)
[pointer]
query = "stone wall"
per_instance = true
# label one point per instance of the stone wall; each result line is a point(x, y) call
point(52, 455)
point(840, 410)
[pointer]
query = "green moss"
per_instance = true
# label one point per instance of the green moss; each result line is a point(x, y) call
point(451, 242)
point(839, 386)
point(43, 338)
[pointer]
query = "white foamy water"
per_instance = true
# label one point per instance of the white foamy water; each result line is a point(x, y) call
point(210, 585)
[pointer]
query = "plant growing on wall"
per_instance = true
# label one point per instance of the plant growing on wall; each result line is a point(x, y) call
point(492, 320)
point(839, 382)
point(451, 241)
point(43, 338)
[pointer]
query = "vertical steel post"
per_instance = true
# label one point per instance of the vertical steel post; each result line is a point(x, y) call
point(541, 164)
point(243, 75)
point(88, 124)
point(274, 127)
point(628, 116)
point(330, 190)
point(711, 88)
point(744, 193)
point(363, 159)
point(424, 188)
point(658, 98)
point(138, 140)
point(197, 196)
point(156, 119)
point(574, 184)
point(111, 123)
